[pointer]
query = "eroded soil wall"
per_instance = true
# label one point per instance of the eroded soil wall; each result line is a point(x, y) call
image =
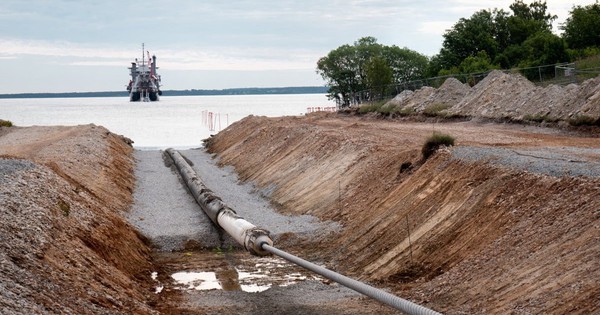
point(484, 238)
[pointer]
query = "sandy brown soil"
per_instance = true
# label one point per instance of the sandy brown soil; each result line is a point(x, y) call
point(483, 238)
point(66, 248)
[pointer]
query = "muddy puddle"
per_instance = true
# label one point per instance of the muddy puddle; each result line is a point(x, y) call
point(225, 270)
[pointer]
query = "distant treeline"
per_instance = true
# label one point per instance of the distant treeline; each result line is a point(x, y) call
point(237, 91)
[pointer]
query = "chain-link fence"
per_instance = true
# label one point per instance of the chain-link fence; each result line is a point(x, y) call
point(560, 74)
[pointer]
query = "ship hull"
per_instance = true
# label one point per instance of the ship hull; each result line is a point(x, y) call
point(144, 85)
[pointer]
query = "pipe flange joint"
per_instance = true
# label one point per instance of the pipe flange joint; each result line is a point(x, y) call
point(256, 238)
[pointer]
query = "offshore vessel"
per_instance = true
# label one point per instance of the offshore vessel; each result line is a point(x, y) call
point(145, 82)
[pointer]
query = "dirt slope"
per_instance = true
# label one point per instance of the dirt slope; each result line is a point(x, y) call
point(484, 237)
point(66, 248)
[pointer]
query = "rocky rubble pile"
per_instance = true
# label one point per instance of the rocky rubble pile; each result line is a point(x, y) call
point(502, 95)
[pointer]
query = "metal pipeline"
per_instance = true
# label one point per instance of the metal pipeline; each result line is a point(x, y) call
point(377, 294)
point(244, 232)
point(258, 242)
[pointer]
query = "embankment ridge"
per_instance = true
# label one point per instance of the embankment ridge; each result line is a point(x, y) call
point(66, 248)
point(458, 234)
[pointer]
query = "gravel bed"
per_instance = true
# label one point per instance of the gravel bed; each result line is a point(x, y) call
point(9, 166)
point(249, 202)
point(557, 162)
point(165, 212)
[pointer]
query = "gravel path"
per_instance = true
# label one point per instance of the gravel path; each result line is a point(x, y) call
point(557, 162)
point(165, 212)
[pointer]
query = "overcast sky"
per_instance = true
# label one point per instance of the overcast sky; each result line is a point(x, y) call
point(81, 45)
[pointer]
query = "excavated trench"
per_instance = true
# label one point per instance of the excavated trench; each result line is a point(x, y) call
point(199, 267)
point(504, 222)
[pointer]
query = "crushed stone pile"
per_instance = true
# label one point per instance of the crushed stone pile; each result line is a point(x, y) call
point(589, 97)
point(506, 95)
point(498, 95)
point(447, 95)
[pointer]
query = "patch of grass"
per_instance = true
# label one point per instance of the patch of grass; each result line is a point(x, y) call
point(387, 110)
point(434, 142)
point(435, 110)
point(406, 112)
point(540, 118)
point(5, 123)
point(371, 107)
point(217, 250)
point(584, 120)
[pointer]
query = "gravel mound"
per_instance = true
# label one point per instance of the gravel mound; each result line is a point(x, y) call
point(64, 247)
point(506, 95)
point(498, 95)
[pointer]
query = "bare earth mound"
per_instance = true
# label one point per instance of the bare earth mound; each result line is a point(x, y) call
point(501, 96)
point(466, 231)
point(65, 247)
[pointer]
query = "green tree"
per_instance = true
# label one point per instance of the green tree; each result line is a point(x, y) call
point(379, 75)
point(528, 20)
point(469, 36)
point(407, 65)
point(543, 48)
point(477, 64)
point(365, 65)
point(497, 33)
point(339, 70)
point(582, 27)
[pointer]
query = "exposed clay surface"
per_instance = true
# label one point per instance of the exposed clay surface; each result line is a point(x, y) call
point(497, 224)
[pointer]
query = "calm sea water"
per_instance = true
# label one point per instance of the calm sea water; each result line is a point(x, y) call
point(174, 121)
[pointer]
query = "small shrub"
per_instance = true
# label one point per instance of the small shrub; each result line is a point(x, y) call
point(407, 112)
point(65, 207)
point(370, 107)
point(5, 123)
point(387, 110)
point(584, 120)
point(435, 110)
point(435, 141)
